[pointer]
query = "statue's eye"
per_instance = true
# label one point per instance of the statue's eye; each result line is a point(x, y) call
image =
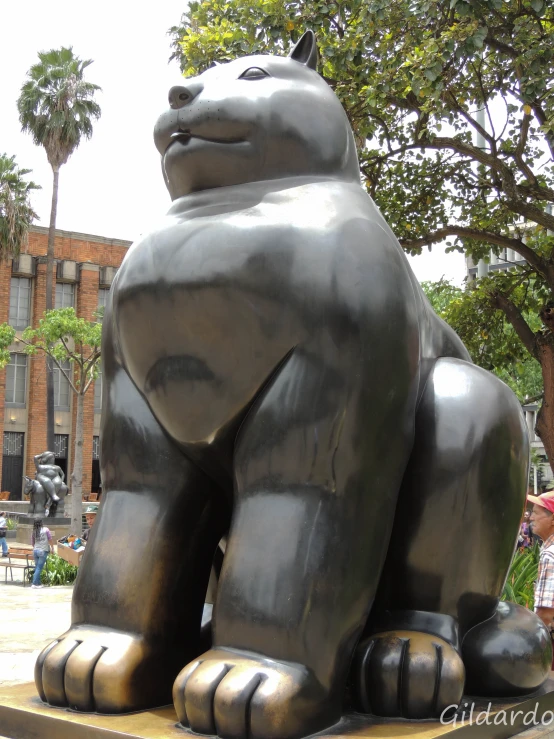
point(253, 73)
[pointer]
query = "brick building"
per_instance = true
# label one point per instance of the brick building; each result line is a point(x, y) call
point(85, 268)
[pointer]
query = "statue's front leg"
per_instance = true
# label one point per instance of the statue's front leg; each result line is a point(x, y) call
point(138, 600)
point(307, 542)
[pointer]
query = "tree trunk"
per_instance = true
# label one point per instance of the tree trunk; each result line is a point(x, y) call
point(49, 306)
point(545, 416)
point(77, 474)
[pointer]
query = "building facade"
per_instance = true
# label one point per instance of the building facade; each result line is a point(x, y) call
point(85, 268)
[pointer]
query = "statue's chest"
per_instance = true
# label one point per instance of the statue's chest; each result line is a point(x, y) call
point(202, 318)
point(190, 260)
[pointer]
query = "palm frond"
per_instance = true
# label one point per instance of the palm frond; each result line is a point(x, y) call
point(56, 104)
point(16, 213)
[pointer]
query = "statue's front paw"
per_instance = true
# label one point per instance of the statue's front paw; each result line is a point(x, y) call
point(93, 668)
point(407, 674)
point(235, 696)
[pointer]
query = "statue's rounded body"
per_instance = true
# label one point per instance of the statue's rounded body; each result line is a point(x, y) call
point(274, 374)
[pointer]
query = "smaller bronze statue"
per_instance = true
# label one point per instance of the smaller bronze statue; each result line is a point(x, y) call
point(48, 487)
point(37, 496)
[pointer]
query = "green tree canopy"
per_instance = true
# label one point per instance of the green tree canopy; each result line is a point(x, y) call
point(452, 106)
point(16, 213)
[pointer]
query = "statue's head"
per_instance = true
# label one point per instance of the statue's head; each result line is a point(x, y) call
point(28, 484)
point(256, 118)
point(48, 458)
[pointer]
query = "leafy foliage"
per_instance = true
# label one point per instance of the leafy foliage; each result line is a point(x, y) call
point(56, 105)
point(488, 335)
point(16, 213)
point(519, 587)
point(64, 337)
point(56, 572)
point(412, 76)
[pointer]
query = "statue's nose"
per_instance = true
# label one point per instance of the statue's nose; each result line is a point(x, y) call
point(179, 96)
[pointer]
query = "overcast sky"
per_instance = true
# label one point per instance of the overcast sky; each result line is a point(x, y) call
point(112, 185)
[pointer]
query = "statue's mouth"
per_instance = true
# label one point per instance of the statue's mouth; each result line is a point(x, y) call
point(184, 136)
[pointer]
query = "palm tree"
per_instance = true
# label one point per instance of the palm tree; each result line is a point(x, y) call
point(16, 214)
point(56, 106)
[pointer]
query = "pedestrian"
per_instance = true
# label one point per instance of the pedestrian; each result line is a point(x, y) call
point(41, 539)
point(90, 516)
point(542, 523)
point(3, 532)
point(524, 540)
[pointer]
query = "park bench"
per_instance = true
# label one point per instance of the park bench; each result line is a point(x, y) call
point(18, 558)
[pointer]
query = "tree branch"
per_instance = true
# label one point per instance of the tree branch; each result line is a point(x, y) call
point(68, 350)
point(520, 325)
point(533, 399)
point(518, 154)
point(476, 235)
point(509, 184)
point(540, 115)
point(472, 122)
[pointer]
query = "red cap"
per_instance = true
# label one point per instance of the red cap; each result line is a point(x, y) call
point(545, 501)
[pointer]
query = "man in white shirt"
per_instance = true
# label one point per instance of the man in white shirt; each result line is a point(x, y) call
point(3, 532)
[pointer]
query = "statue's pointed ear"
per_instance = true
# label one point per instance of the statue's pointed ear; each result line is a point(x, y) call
point(305, 50)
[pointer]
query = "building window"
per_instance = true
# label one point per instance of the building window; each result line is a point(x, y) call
point(98, 393)
point(103, 293)
point(61, 386)
point(20, 302)
point(13, 444)
point(96, 447)
point(60, 445)
point(65, 295)
point(16, 380)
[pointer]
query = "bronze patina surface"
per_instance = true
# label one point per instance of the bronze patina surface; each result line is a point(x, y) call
point(24, 716)
point(274, 374)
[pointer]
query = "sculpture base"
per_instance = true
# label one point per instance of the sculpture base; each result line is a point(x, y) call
point(58, 527)
point(24, 716)
point(30, 518)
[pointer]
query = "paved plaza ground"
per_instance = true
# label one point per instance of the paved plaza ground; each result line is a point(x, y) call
point(29, 620)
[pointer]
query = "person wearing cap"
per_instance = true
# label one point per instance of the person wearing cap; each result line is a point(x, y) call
point(542, 522)
point(90, 515)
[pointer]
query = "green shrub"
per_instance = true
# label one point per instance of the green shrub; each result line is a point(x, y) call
point(11, 524)
point(519, 587)
point(56, 572)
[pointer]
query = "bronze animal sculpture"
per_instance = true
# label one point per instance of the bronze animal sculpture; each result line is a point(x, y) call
point(48, 488)
point(274, 371)
point(50, 475)
point(38, 500)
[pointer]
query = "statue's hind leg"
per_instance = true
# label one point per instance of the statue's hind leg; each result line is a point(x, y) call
point(455, 531)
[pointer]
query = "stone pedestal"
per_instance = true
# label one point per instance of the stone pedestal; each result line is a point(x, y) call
point(15, 506)
point(24, 716)
point(58, 527)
